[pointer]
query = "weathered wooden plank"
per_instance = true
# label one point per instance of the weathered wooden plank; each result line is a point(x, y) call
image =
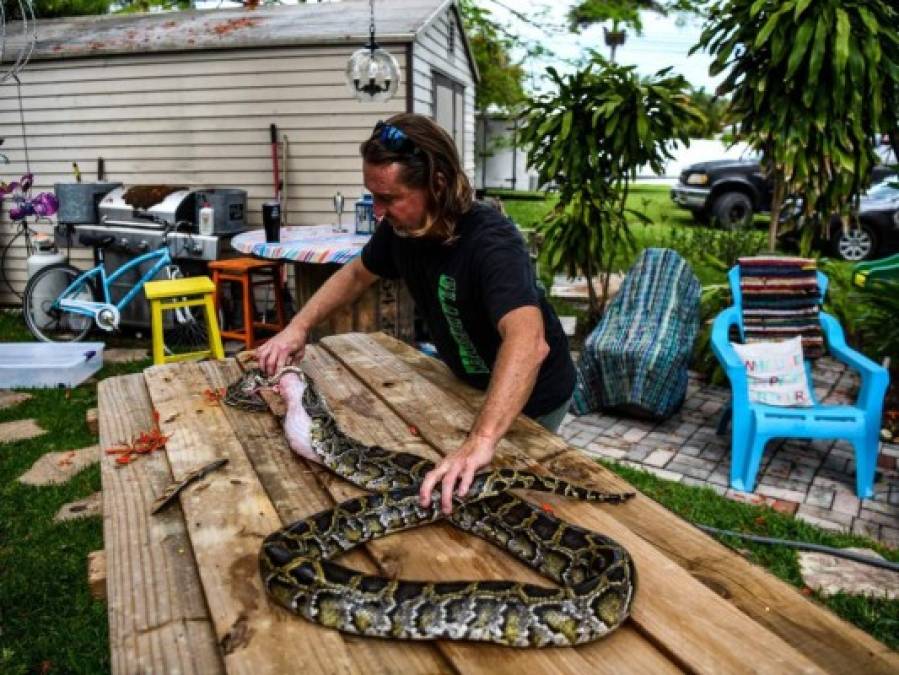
point(91, 418)
point(292, 486)
point(442, 552)
point(525, 434)
point(832, 643)
point(683, 616)
point(228, 514)
point(157, 616)
point(96, 574)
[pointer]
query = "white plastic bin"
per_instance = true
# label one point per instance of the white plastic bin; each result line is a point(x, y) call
point(35, 365)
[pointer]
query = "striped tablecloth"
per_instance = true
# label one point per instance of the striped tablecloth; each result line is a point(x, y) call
point(304, 243)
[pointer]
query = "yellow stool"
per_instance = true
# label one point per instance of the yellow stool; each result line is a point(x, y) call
point(177, 293)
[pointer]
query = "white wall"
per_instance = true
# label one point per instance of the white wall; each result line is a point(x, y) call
point(430, 53)
point(193, 118)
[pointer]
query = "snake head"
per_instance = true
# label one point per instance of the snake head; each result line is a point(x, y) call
point(252, 382)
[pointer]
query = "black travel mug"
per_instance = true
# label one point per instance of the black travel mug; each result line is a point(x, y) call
point(271, 221)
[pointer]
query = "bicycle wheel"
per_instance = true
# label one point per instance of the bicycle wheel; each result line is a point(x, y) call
point(187, 331)
point(50, 324)
point(184, 329)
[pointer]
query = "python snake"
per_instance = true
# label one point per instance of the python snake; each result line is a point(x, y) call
point(596, 575)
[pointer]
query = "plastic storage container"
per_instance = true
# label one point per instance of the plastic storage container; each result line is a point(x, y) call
point(35, 365)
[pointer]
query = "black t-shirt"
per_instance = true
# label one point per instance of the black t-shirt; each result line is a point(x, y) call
point(462, 290)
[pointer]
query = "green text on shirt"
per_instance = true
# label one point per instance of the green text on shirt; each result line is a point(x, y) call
point(471, 360)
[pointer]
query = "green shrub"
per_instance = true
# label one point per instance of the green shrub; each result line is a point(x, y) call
point(718, 249)
point(714, 300)
point(868, 315)
point(876, 324)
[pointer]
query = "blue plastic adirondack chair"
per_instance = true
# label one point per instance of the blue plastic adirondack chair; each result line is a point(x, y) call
point(754, 424)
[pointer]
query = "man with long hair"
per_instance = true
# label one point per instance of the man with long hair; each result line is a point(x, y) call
point(468, 270)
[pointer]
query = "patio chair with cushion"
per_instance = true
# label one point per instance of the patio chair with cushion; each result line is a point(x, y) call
point(780, 298)
point(635, 360)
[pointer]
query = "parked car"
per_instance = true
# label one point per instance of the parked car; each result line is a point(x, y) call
point(877, 232)
point(729, 192)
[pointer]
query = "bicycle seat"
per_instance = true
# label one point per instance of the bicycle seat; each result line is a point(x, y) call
point(99, 241)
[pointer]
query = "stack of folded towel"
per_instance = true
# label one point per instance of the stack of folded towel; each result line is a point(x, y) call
point(780, 300)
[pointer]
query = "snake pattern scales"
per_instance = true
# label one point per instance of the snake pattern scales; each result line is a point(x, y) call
point(596, 575)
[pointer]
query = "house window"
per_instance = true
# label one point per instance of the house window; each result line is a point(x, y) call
point(449, 108)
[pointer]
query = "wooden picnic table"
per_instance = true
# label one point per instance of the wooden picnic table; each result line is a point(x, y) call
point(184, 590)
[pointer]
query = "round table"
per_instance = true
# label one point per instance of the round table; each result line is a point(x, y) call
point(317, 252)
point(317, 244)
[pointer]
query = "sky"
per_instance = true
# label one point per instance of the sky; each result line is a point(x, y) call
point(664, 42)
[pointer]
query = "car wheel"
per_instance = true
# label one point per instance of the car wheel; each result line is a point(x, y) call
point(855, 243)
point(733, 210)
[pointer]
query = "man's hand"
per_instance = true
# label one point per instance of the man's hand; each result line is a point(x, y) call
point(459, 465)
point(281, 350)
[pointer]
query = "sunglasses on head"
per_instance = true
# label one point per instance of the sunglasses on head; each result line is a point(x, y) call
point(393, 138)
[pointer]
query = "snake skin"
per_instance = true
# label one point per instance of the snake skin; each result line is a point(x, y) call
point(596, 575)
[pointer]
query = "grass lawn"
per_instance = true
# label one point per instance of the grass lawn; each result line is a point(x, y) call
point(48, 620)
point(671, 227)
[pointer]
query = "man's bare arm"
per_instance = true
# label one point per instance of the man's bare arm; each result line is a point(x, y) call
point(341, 289)
point(522, 351)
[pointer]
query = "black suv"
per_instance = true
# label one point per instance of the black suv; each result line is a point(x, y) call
point(729, 192)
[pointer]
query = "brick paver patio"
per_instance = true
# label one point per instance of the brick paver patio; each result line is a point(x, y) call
point(814, 480)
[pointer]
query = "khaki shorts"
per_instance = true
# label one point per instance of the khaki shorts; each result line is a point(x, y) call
point(552, 420)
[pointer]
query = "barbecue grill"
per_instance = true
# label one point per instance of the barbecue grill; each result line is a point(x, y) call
point(138, 217)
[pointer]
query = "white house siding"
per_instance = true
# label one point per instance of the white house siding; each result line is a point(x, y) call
point(430, 54)
point(196, 118)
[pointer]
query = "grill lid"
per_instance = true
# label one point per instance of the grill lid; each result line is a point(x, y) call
point(153, 206)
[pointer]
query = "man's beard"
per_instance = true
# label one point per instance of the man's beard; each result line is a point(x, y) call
point(401, 231)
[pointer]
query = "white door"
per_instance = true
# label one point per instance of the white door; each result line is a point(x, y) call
point(449, 109)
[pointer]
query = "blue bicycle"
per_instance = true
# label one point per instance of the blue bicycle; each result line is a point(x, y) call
point(62, 303)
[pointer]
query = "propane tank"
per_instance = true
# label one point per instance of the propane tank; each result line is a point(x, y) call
point(45, 254)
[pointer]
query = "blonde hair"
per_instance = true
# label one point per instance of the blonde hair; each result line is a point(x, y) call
point(432, 164)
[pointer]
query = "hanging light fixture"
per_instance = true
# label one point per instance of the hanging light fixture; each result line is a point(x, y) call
point(372, 73)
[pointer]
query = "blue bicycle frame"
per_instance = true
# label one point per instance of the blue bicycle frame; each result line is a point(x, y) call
point(67, 303)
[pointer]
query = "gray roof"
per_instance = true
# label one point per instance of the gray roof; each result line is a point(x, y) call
point(396, 21)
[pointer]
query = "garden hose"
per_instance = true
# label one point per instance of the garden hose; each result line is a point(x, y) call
point(805, 546)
